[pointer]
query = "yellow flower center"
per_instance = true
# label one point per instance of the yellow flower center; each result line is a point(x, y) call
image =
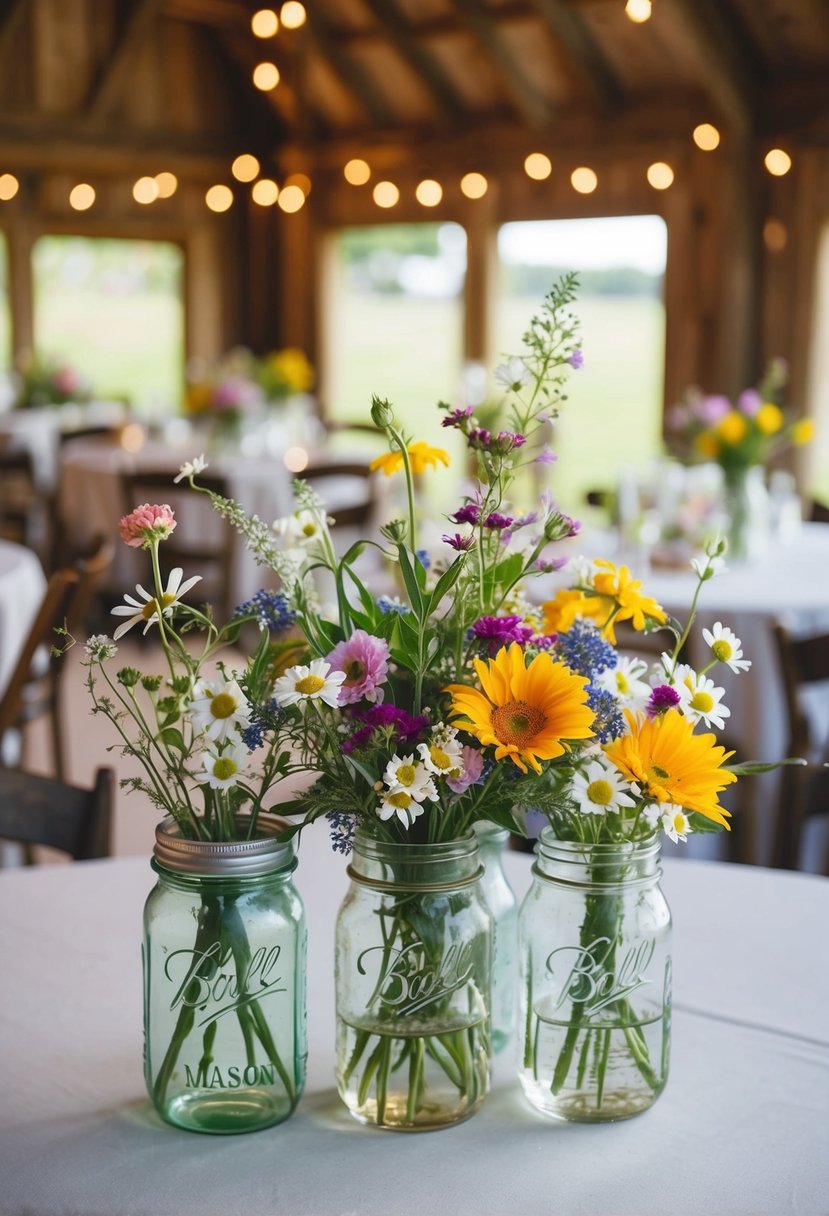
point(152, 606)
point(406, 774)
point(354, 672)
point(309, 529)
point(679, 822)
point(223, 705)
point(439, 757)
point(309, 684)
point(702, 701)
point(402, 801)
point(224, 768)
point(600, 792)
point(722, 650)
point(517, 723)
point(622, 682)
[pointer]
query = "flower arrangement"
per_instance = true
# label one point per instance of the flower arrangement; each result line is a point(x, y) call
point(226, 392)
point(47, 380)
point(285, 372)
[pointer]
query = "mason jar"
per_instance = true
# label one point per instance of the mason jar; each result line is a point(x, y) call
point(224, 981)
point(595, 980)
point(413, 959)
point(503, 906)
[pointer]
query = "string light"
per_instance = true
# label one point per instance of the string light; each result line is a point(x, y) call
point(81, 197)
point(291, 198)
point(264, 23)
point(660, 175)
point(295, 459)
point(302, 180)
point(775, 235)
point(9, 186)
point(429, 193)
point(145, 190)
point(538, 166)
point(219, 198)
point(638, 10)
point(706, 137)
point(245, 167)
point(292, 14)
point(266, 76)
point(357, 172)
point(474, 185)
point(777, 162)
point(583, 180)
point(385, 194)
point(167, 184)
point(265, 192)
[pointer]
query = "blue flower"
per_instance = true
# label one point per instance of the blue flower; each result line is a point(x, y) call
point(262, 719)
point(584, 650)
point(387, 603)
point(270, 608)
point(253, 736)
point(342, 827)
point(423, 557)
point(608, 723)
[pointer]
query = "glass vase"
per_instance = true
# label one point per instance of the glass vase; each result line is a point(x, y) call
point(413, 958)
point(748, 513)
point(503, 906)
point(224, 981)
point(595, 982)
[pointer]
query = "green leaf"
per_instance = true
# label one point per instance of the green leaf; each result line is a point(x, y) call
point(173, 738)
point(446, 582)
point(412, 583)
point(360, 768)
point(702, 825)
point(750, 768)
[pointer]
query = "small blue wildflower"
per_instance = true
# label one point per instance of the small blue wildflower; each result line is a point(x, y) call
point(608, 723)
point(253, 736)
point(389, 603)
point(423, 557)
point(262, 719)
point(342, 828)
point(270, 608)
point(584, 650)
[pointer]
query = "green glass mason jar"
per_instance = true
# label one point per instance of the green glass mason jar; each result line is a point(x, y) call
point(501, 901)
point(413, 958)
point(224, 981)
point(595, 982)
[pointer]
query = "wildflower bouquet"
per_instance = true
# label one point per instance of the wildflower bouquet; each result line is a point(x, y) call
point(50, 381)
point(224, 394)
point(284, 373)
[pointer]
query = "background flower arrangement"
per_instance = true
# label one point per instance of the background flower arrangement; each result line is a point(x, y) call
point(241, 385)
point(45, 380)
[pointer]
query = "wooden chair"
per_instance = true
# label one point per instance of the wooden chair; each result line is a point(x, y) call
point(204, 544)
point(804, 790)
point(38, 811)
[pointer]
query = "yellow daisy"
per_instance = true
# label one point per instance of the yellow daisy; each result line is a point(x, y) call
point(526, 713)
point(672, 764)
point(619, 596)
point(561, 612)
point(769, 418)
point(421, 456)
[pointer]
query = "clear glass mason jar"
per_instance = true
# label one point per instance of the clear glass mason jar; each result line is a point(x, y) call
point(501, 901)
point(413, 958)
point(224, 981)
point(595, 980)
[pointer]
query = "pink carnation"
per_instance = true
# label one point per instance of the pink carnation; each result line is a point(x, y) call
point(473, 766)
point(146, 524)
point(365, 661)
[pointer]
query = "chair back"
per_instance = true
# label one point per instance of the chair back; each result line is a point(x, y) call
point(38, 811)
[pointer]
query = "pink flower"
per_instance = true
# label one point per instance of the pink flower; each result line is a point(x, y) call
point(365, 661)
point(146, 525)
point(749, 402)
point(473, 766)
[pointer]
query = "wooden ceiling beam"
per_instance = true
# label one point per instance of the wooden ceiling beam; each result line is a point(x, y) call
point(569, 29)
point(142, 15)
point(536, 110)
point(727, 70)
point(11, 11)
point(404, 37)
point(351, 74)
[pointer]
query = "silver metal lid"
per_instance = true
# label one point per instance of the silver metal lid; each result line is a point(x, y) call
point(225, 858)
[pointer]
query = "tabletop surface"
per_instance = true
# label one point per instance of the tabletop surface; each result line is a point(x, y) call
point(740, 1128)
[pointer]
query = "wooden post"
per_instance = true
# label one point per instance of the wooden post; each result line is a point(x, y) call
point(21, 239)
point(480, 222)
point(738, 349)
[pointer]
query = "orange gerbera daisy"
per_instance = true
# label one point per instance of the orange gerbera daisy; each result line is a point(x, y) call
point(672, 764)
point(526, 713)
point(421, 457)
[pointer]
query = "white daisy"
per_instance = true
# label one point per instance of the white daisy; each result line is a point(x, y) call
point(223, 769)
point(600, 789)
point(652, 814)
point(148, 611)
point(512, 374)
point(407, 775)
point(191, 468)
point(317, 682)
point(726, 647)
point(700, 699)
point(399, 803)
point(301, 528)
point(443, 754)
point(625, 682)
point(218, 707)
point(675, 822)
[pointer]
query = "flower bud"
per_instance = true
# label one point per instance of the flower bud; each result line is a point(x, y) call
point(382, 414)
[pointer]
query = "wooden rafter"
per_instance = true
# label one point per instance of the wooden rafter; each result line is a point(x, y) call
point(404, 37)
point(349, 71)
point(729, 73)
point(570, 30)
point(141, 17)
point(536, 111)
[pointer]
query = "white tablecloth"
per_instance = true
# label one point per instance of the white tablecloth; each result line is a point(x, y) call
point(740, 1128)
point(22, 584)
point(39, 432)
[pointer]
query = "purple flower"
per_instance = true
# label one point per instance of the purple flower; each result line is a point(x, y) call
point(457, 417)
point(663, 698)
point(546, 565)
point(494, 520)
point(576, 360)
point(749, 402)
point(479, 438)
point(507, 440)
point(468, 514)
point(406, 728)
point(473, 767)
point(711, 409)
point(236, 393)
point(522, 521)
point(498, 631)
point(546, 456)
point(365, 661)
point(461, 543)
point(676, 418)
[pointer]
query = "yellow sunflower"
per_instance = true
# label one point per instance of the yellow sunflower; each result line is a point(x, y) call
point(672, 764)
point(526, 713)
point(421, 456)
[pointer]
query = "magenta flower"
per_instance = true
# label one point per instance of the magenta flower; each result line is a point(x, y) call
point(498, 631)
point(146, 525)
point(236, 393)
point(461, 543)
point(496, 521)
point(405, 727)
point(663, 698)
point(365, 660)
point(505, 441)
point(479, 438)
point(457, 417)
point(468, 514)
point(473, 766)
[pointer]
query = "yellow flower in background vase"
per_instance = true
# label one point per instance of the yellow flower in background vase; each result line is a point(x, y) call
point(707, 445)
point(421, 456)
point(769, 418)
point(732, 428)
point(290, 367)
point(803, 431)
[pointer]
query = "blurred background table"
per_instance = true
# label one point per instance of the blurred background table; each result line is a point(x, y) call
point(22, 584)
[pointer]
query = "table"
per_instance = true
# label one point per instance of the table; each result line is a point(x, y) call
point(22, 585)
point(740, 1129)
point(40, 432)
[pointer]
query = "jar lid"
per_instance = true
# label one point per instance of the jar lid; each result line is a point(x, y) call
point(225, 858)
